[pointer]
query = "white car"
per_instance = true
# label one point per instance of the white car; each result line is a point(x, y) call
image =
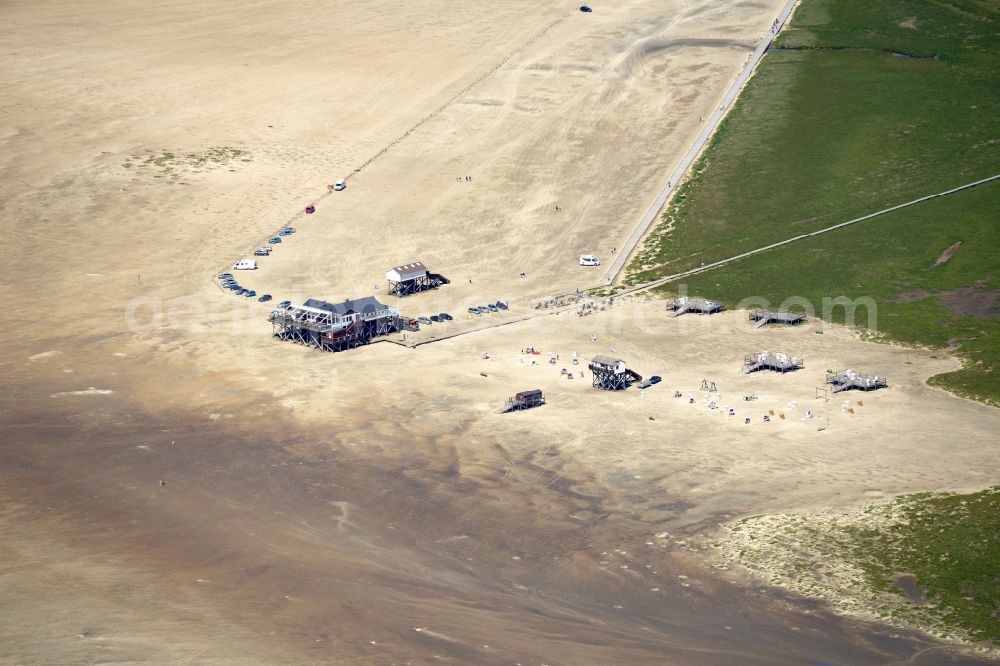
point(340, 185)
point(589, 260)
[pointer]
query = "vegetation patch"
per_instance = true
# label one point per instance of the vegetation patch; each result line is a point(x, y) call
point(166, 163)
point(929, 561)
point(840, 126)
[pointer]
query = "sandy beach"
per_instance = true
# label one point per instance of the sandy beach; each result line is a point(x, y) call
point(179, 487)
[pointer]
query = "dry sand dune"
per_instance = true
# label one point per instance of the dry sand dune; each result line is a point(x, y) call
point(371, 507)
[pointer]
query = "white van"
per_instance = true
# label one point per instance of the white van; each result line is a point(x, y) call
point(245, 265)
point(589, 260)
point(340, 185)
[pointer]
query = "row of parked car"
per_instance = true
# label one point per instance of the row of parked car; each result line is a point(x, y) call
point(489, 307)
point(265, 250)
point(435, 319)
point(229, 282)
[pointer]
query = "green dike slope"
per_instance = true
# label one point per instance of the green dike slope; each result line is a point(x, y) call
point(873, 103)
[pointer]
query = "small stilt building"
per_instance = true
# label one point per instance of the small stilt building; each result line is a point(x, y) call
point(685, 305)
point(334, 326)
point(611, 373)
point(412, 278)
point(849, 380)
point(764, 317)
point(524, 400)
point(777, 362)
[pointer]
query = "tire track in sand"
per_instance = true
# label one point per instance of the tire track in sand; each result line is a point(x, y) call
point(457, 96)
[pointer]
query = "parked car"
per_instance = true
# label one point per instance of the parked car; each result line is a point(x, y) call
point(475, 310)
point(287, 231)
point(262, 252)
point(585, 9)
point(490, 308)
point(445, 316)
point(501, 305)
point(245, 265)
point(239, 291)
point(264, 299)
point(223, 276)
point(435, 318)
point(234, 286)
point(274, 241)
point(589, 260)
point(249, 293)
point(646, 383)
point(340, 185)
point(284, 304)
point(424, 320)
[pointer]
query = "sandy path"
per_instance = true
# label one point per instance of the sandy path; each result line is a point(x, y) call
point(628, 247)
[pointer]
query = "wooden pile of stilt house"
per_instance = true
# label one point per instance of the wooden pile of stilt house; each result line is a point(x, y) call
point(334, 326)
point(611, 373)
point(763, 317)
point(685, 305)
point(524, 400)
point(849, 380)
point(412, 278)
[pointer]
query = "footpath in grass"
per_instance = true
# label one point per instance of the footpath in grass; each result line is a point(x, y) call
point(926, 560)
point(872, 104)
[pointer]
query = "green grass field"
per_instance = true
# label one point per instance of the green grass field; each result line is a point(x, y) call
point(841, 126)
point(951, 543)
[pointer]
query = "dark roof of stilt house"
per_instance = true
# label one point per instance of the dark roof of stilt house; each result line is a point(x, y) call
point(362, 305)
